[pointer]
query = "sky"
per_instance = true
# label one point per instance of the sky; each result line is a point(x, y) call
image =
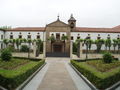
point(38, 13)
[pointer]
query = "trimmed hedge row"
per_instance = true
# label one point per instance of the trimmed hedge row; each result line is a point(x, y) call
point(12, 79)
point(99, 79)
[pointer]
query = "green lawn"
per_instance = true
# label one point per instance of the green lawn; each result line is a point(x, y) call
point(103, 67)
point(21, 69)
point(13, 64)
point(94, 71)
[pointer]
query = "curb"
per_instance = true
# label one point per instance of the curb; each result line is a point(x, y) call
point(2, 88)
point(29, 78)
point(114, 86)
point(84, 78)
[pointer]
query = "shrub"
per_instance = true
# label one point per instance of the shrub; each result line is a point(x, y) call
point(100, 80)
point(6, 54)
point(12, 79)
point(24, 48)
point(107, 58)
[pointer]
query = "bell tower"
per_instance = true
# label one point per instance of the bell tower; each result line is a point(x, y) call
point(72, 22)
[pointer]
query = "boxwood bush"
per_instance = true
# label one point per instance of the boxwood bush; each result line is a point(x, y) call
point(99, 79)
point(24, 48)
point(10, 79)
point(6, 54)
point(107, 57)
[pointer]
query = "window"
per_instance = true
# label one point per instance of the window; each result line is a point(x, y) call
point(38, 36)
point(118, 37)
point(1, 46)
point(98, 36)
point(108, 36)
point(20, 36)
point(1, 36)
point(88, 37)
point(72, 38)
point(11, 36)
point(78, 37)
point(58, 36)
point(29, 36)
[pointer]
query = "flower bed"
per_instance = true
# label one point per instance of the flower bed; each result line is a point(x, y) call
point(10, 79)
point(100, 79)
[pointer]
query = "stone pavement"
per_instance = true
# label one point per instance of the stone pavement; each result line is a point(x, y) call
point(57, 75)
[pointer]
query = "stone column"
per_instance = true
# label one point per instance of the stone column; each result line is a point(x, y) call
point(44, 49)
point(81, 50)
point(34, 49)
point(71, 49)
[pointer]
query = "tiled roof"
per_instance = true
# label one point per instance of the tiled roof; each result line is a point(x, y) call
point(78, 29)
point(117, 27)
point(101, 30)
point(27, 29)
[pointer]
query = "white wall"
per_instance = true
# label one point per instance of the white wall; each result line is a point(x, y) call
point(1, 33)
point(93, 36)
point(83, 35)
point(24, 34)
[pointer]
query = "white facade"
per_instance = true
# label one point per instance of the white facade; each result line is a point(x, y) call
point(24, 34)
point(42, 34)
point(94, 35)
point(1, 38)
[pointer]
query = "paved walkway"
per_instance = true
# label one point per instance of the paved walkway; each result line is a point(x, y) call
point(57, 75)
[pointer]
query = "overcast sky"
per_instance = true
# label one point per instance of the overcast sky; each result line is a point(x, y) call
point(38, 13)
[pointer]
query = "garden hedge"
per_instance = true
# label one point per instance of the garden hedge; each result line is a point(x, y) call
point(101, 80)
point(10, 79)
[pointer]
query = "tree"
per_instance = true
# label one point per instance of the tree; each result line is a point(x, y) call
point(18, 42)
point(6, 41)
point(86, 41)
point(115, 43)
point(52, 39)
point(90, 42)
point(109, 43)
point(99, 44)
point(106, 44)
point(38, 43)
point(118, 44)
point(64, 38)
point(29, 41)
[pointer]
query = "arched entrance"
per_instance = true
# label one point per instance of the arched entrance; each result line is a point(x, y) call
point(58, 50)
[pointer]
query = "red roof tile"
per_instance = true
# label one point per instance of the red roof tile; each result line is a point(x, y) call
point(117, 27)
point(27, 29)
point(78, 29)
point(101, 30)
